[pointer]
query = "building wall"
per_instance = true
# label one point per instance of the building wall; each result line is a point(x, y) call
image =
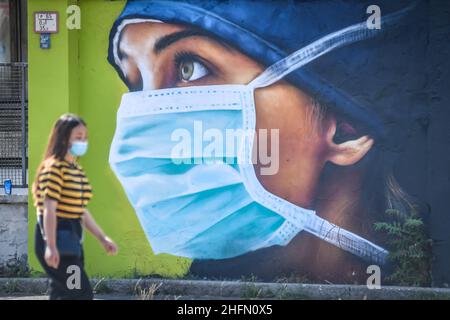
point(74, 76)
point(13, 234)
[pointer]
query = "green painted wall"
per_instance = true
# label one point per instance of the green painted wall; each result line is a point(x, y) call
point(48, 95)
point(74, 76)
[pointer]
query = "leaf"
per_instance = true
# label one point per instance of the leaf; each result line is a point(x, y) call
point(409, 247)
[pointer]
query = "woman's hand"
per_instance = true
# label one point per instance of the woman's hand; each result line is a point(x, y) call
point(52, 257)
point(110, 246)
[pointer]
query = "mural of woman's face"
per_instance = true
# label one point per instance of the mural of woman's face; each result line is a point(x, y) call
point(157, 55)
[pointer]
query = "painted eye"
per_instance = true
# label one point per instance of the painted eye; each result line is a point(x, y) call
point(191, 70)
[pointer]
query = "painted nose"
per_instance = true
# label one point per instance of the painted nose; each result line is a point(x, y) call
point(147, 76)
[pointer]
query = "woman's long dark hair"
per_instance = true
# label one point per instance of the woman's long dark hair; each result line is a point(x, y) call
point(58, 142)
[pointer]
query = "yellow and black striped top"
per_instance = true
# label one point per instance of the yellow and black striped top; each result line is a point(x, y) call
point(66, 183)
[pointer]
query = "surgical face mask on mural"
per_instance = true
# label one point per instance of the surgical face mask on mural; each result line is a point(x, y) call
point(213, 206)
point(79, 148)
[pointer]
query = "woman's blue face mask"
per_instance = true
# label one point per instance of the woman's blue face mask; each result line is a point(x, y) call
point(79, 148)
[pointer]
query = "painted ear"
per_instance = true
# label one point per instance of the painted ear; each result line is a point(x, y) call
point(347, 152)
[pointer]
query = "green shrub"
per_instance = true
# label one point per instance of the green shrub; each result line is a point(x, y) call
point(409, 248)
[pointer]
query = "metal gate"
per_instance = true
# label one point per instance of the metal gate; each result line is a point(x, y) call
point(13, 123)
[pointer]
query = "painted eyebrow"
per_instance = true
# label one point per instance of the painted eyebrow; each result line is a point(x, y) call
point(165, 41)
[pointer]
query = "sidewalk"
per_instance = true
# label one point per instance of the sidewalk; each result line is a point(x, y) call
point(161, 289)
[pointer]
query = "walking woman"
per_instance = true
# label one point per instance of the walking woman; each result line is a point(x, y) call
point(61, 192)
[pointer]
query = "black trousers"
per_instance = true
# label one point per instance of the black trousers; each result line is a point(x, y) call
point(61, 279)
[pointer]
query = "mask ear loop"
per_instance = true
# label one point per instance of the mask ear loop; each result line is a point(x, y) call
point(321, 228)
point(314, 50)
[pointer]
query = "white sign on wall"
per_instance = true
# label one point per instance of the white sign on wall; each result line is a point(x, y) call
point(46, 22)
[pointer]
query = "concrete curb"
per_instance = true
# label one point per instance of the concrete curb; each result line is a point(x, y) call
point(13, 198)
point(231, 289)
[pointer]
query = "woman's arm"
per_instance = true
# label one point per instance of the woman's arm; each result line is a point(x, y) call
point(50, 221)
point(93, 227)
